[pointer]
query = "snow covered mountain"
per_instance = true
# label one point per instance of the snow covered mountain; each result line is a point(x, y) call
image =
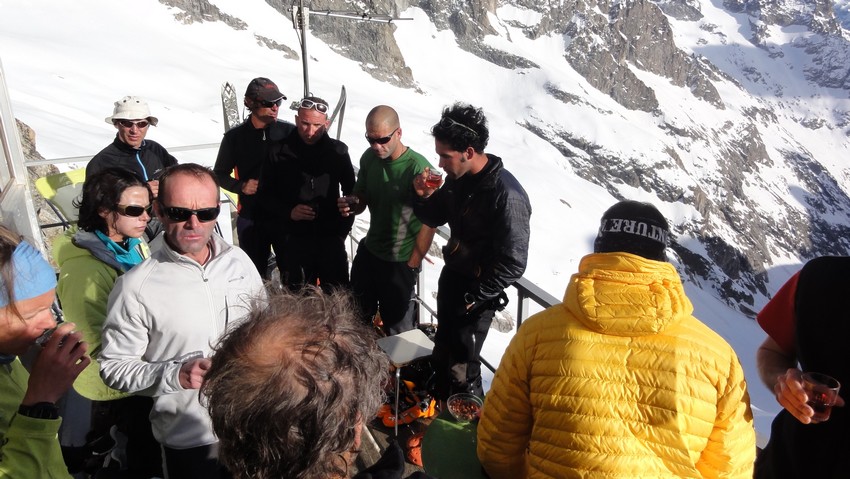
point(732, 117)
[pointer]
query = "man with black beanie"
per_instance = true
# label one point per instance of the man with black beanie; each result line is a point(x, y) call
point(620, 379)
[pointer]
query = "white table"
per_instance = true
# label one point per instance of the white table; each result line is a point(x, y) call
point(402, 349)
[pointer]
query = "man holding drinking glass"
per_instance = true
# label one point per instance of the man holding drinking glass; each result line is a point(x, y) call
point(388, 260)
point(297, 201)
point(488, 212)
point(807, 328)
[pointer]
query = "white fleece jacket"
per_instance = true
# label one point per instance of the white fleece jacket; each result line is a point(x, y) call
point(163, 311)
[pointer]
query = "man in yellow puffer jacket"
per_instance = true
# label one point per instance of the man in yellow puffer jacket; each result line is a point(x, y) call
point(620, 380)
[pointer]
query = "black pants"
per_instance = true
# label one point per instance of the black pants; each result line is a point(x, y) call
point(304, 260)
point(131, 417)
point(385, 286)
point(255, 244)
point(459, 339)
point(195, 463)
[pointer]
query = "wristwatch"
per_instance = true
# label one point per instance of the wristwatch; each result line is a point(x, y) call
point(468, 298)
point(40, 410)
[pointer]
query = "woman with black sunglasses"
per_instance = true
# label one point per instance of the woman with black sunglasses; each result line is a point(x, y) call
point(113, 212)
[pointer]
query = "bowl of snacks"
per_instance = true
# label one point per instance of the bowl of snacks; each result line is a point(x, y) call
point(464, 407)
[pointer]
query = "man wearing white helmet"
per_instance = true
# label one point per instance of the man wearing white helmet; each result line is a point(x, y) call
point(130, 150)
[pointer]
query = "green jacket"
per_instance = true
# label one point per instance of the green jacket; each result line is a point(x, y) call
point(29, 447)
point(87, 272)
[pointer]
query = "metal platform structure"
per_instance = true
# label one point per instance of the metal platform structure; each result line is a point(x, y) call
point(17, 209)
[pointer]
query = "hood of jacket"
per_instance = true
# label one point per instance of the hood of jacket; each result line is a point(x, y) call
point(76, 243)
point(622, 294)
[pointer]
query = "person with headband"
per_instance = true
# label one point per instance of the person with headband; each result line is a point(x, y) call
point(29, 418)
point(488, 213)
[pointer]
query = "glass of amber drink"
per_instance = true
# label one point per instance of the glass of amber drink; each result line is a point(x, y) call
point(435, 179)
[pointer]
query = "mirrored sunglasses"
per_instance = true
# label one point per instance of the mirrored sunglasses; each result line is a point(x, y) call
point(133, 211)
point(141, 124)
point(382, 140)
point(176, 213)
point(448, 123)
point(318, 106)
point(269, 104)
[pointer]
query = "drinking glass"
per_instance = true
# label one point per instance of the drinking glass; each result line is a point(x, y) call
point(435, 179)
point(822, 391)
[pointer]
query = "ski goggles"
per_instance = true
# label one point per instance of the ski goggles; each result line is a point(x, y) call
point(448, 123)
point(178, 214)
point(382, 140)
point(315, 105)
point(133, 211)
point(141, 124)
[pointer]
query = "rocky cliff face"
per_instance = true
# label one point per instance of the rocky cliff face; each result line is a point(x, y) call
point(45, 214)
point(615, 46)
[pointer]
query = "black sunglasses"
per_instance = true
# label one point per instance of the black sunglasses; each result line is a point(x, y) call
point(448, 123)
point(318, 106)
point(382, 140)
point(133, 211)
point(176, 213)
point(269, 104)
point(129, 124)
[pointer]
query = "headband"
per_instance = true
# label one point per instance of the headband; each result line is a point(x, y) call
point(33, 275)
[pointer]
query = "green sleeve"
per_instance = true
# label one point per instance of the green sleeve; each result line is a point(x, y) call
point(84, 286)
point(28, 447)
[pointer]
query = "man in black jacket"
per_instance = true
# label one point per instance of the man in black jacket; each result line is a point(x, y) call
point(488, 212)
point(130, 150)
point(297, 201)
point(242, 153)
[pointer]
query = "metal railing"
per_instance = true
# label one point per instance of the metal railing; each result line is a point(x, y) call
point(527, 293)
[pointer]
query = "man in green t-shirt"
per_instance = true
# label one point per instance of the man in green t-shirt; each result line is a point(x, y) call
point(388, 259)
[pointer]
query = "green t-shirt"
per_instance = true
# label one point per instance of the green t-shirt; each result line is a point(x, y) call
point(388, 185)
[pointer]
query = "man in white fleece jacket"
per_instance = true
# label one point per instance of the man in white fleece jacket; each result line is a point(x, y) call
point(166, 313)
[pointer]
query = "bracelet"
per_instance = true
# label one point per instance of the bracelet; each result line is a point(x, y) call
point(40, 410)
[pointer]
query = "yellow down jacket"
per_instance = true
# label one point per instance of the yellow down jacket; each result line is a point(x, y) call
point(620, 380)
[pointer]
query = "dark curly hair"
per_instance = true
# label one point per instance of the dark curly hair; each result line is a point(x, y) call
point(461, 126)
point(101, 191)
point(288, 388)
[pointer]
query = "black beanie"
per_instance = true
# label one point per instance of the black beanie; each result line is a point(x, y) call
point(633, 227)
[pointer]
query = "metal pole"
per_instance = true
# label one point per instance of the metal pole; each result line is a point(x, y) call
point(304, 22)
